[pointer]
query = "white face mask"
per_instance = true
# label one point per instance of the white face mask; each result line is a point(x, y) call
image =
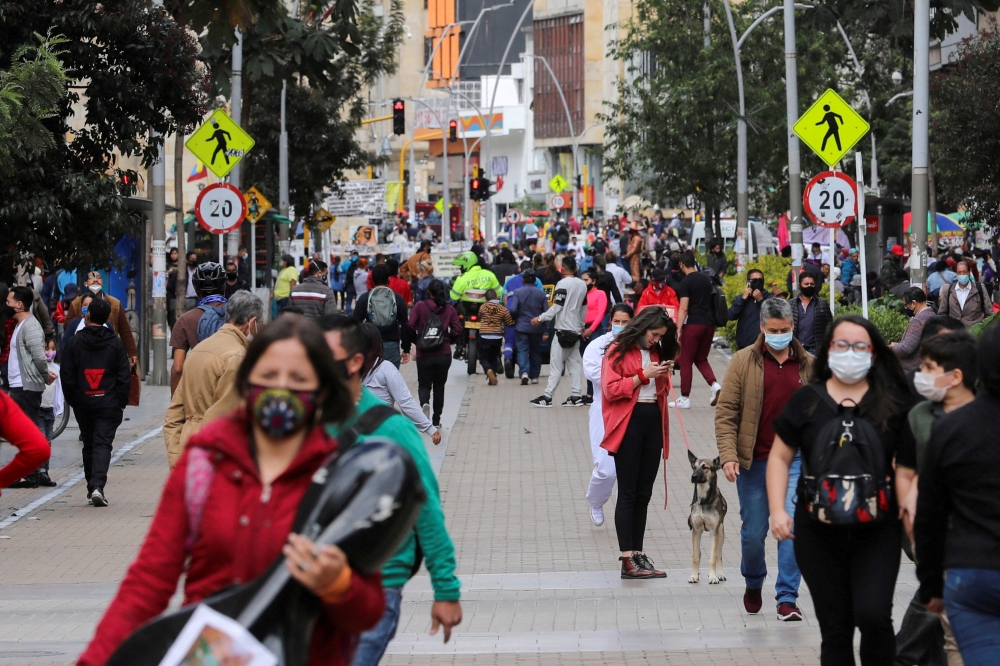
point(926, 385)
point(850, 367)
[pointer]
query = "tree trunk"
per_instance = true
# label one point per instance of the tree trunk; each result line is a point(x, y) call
point(181, 293)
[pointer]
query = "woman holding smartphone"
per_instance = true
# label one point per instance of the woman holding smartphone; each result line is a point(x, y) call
point(635, 383)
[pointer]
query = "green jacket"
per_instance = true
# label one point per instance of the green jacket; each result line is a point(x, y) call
point(436, 545)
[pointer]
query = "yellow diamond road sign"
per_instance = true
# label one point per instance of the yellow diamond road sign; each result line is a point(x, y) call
point(220, 143)
point(323, 219)
point(831, 127)
point(257, 204)
point(557, 184)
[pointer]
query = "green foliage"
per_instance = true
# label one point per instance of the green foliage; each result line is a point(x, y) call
point(775, 271)
point(978, 329)
point(135, 72)
point(890, 324)
point(966, 146)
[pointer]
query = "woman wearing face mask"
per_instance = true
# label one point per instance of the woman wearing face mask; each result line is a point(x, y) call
point(635, 382)
point(255, 466)
point(602, 479)
point(850, 567)
point(597, 308)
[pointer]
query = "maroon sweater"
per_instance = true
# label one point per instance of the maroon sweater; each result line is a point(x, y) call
point(780, 382)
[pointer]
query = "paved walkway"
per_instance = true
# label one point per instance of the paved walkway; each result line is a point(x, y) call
point(540, 582)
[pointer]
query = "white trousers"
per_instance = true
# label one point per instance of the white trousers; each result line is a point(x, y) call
point(558, 357)
point(602, 479)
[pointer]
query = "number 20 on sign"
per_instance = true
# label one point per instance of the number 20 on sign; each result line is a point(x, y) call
point(220, 208)
point(830, 199)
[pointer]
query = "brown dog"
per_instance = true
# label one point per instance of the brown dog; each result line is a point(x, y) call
point(708, 514)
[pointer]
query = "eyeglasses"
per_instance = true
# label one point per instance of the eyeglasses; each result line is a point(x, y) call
point(844, 345)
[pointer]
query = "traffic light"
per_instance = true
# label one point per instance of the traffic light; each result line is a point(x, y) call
point(452, 131)
point(579, 182)
point(474, 188)
point(484, 189)
point(129, 183)
point(406, 177)
point(398, 116)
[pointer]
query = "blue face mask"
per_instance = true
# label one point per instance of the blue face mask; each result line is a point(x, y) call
point(617, 328)
point(84, 311)
point(964, 279)
point(778, 341)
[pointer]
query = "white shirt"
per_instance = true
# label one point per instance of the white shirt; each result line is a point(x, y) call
point(14, 361)
point(52, 396)
point(647, 391)
point(962, 293)
point(388, 385)
point(190, 293)
point(577, 249)
point(622, 277)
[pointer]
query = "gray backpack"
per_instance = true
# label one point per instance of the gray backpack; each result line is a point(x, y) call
point(382, 308)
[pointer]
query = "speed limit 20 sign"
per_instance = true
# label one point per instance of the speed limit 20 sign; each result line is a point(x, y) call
point(220, 208)
point(830, 199)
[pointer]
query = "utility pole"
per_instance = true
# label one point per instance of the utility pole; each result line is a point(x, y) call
point(792, 104)
point(233, 238)
point(159, 375)
point(446, 213)
point(742, 204)
point(921, 113)
point(284, 233)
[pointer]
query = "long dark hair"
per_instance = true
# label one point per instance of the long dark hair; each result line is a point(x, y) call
point(336, 402)
point(437, 293)
point(373, 349)
point(886, 381)
point(635, 332)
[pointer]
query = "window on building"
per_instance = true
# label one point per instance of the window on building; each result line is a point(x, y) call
point(560, 41)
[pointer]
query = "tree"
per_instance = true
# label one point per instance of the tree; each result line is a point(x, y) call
point(966, 128)
point(135, 72)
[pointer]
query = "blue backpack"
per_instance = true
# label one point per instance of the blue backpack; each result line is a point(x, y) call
point(211, 321)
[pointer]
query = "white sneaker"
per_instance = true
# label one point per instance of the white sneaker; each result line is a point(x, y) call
point(597, 515)
point(716, 389)
point(427, 410)
point(682, 403)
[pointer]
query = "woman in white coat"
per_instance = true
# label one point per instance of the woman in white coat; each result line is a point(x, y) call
point(602, 479)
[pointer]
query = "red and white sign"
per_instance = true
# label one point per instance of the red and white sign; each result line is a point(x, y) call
point(557, 201)
point(831, 199)
point(871, 224)
point(220, 208)
point(513, 216)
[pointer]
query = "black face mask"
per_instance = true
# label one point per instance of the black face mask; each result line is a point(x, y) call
point(909, 312)
point(757, 284)
point(8, 311)
point(192, 264)
point(590, 286)
point(808, 292)
point(231, 275)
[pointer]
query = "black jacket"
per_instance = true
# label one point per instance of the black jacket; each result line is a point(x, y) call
point(821, 319)
point(746, 314)
point(400, 332)
point(95, 372)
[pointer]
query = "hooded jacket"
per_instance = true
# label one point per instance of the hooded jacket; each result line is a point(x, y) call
point(249, 524)
point(449, 320)
point(95, 372)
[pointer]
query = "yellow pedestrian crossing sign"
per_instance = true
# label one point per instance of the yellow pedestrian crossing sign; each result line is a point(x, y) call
point(323, 219)
point(831, 127)
point(257, 204)
point(220, 143)
point(557, 184)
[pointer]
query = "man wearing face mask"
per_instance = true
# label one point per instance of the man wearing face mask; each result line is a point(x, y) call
point(759, 381)
point(810, 313)
point(915, 302)
point(658, 293)
point(946, 379)
point(965, 299)
point(313, 296)
point(207, 389)
point(234, 282)
point(429, 538)
point(118, 321)
point(745, 310)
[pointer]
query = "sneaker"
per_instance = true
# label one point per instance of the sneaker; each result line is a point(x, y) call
point(45, 480)
point(716, 389)
point(789, 612)
point(524, 380)
point(436, 422)
point(24, 482)
point(573, 401)
point(90, 497)
point(631, 570)
point(588, 400)
point(508, 368)
point(752, 601)
point(535, 380)
point(643, 562)
point(681, 403)
point(491, 377)
point(427, 410)
point(597, 515)
point(542, 401)
point(97, 497)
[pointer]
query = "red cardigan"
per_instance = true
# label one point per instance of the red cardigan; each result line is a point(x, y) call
point(32, 447)
point(619, 396)
point(244, 536)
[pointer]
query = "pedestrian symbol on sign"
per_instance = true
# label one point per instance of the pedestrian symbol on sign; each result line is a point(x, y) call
point(830, 120)
point(219, 136)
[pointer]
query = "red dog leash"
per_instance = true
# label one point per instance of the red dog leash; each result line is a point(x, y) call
point(687, 446)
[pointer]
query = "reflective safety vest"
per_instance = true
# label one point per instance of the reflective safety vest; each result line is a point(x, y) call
point(471, 286)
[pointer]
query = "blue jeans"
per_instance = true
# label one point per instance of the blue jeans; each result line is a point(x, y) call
point(529, 354)
point(391, 352)
point(751, 487)
point(372, 644)
point(972, 599)
point(509, 338)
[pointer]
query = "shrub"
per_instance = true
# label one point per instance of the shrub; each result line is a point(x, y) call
point(978, 329)
point(890, 323)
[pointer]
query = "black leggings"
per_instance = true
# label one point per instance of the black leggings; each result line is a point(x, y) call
point(851, 574)
point(432, 372)
point(636, 462)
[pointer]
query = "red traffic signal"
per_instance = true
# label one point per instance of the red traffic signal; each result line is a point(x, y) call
point(398, 116)
point(452, 130)
point(474, 191)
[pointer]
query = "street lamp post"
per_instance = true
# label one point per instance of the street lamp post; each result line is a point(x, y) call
point(794, 167)
point(920, 159)
point(284, 233)
point(159, 375)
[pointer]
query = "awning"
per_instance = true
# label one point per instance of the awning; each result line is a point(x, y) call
point(146, 205)
point(946, 225)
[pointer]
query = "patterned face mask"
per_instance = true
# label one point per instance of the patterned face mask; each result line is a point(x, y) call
point(281, 412)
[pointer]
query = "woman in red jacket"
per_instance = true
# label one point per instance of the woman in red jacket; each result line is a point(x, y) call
point(635, 382)
point(250, 471)
point(32, 447)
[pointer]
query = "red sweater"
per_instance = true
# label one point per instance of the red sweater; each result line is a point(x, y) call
point(244, 536)
point(32, 447)
point(619, 396)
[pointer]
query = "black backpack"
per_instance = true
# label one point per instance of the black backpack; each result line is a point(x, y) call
point(844, 477)
point(432, 335)
point(718, 308)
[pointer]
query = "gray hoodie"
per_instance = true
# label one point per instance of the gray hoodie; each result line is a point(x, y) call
point(569, 309)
